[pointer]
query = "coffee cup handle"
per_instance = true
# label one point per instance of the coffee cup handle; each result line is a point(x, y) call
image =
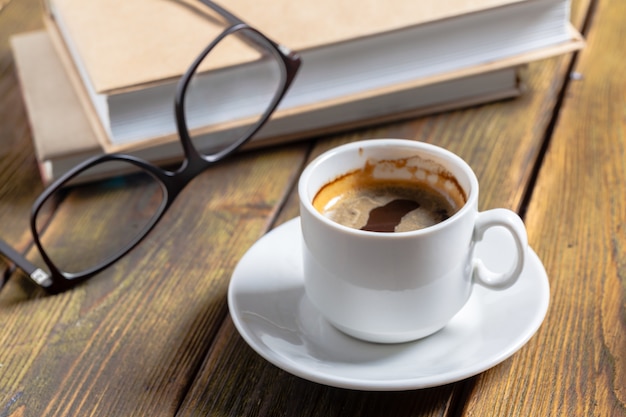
point(514, 224)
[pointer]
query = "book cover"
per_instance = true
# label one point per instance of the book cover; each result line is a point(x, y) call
point(119, 41)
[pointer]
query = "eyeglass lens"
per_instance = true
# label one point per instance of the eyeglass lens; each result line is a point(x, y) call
point(80, 226)
point(223, 105)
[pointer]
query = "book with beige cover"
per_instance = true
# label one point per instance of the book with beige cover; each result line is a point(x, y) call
point(129, 54)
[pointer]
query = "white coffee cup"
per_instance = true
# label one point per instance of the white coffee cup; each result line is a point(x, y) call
point(398, 287)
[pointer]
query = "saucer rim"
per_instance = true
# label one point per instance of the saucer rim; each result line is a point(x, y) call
point(399, 384)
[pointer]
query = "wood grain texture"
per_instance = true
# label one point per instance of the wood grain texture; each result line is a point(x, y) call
point(19, 178)
point(576, 364)
point(151, 335)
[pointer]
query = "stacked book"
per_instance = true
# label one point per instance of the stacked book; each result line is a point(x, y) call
point(101, 76)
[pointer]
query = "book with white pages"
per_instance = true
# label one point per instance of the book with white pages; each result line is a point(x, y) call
point(350, 51)
point(65, 132)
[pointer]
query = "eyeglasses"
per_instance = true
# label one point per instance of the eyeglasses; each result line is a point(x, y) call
point(209, 127)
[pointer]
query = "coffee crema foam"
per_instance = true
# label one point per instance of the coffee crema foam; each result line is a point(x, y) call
point(391, 196)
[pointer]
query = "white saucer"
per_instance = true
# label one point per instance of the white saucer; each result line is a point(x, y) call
point(269, 308)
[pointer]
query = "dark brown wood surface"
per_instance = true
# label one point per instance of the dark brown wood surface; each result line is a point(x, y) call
point(152, 335)
point(576, 364)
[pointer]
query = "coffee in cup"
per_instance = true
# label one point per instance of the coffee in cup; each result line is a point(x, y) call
point(362, 201)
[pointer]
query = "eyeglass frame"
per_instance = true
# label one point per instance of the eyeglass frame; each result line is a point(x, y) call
point(172, 182)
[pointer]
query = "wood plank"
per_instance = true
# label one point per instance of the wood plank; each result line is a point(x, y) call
point(234, 380)
point(19, 178)
point(576, 365)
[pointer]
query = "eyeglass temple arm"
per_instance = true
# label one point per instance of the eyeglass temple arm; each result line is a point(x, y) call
point(36, 274)
point(225, 13)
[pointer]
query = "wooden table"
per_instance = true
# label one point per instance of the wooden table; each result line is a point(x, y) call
point(153, 336)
